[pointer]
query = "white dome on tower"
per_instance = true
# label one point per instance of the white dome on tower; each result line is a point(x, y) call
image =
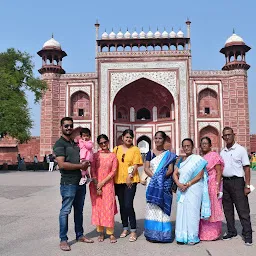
point(172, 34)
point(104, 35)
point(135, 34)
point(112, 35)
point(165, 34)
point(234, 39)
point(127, 34)
point(52, 43)
point(180, 34)
point(150, 34)
point(119, 35)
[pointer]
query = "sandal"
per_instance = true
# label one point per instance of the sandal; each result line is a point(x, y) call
point(85, 240)
point(101, 238)
point(112, 239)
point(64, 246)
point(133, 237)
point(124, 234)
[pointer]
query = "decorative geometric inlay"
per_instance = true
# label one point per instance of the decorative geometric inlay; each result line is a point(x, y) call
point(120, 80)
point(213, 87)
point(140, 67)
point(79, 75)
point(210, 73)
point(202, 125)
point(132, 114)
point(80, 124)
point(144, 129)
point(85, 89)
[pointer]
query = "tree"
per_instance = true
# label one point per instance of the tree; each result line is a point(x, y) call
point(16, 76)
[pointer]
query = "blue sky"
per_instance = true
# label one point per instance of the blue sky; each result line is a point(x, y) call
point(26, 25)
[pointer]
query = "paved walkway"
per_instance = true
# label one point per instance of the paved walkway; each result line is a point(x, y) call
point(29, 208)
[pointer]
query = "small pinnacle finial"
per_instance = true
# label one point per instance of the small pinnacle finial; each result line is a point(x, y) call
point(157, 28)
point(52, 35)
point(234, 31)
point(97, 21)
point(172, 28)
point(142, 29)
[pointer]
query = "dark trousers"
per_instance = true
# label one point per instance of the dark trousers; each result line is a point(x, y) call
point(125, 197)
point(72, 195)
point(233, 194)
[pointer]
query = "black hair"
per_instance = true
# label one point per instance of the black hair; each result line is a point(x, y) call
point(66, 118)
point(85, 131)
point(102, 136)
point(227, 128)
point(206, 138)
point(188, 139)
point(128, 131)
point(163, 134)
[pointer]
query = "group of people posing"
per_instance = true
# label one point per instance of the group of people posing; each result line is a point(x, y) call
point(201, 183)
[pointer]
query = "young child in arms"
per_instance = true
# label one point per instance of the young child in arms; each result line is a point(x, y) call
point(86, 153)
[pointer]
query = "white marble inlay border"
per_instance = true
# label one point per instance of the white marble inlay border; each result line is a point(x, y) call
point(83, 88)
point(106, 106)
point(202, 125)
point(201, 87)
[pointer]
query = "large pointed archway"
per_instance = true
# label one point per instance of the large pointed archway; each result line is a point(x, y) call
point(145, 107)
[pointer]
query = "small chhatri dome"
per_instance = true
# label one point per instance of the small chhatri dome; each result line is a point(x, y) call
point(157, 34)
point(172, 34)
point(165, 34)
point(127, 34)
point(104, 35)
point(142, 34)
point(52, 43)
point(135, 34)
point(112, 35)
point(119, 34)
point(234, 39)
point(180, 34)
point(150, 34)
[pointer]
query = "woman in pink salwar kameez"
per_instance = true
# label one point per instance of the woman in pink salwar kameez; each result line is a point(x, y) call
point(103, 170)
point(211, 229)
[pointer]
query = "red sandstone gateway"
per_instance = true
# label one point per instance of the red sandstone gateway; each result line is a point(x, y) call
point(144, 81)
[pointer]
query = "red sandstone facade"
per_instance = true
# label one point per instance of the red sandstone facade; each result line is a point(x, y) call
point(145, 82)
point(9, 149)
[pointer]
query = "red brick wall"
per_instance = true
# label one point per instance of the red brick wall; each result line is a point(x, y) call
point(253, 142)
point(27, 150)
point(235, 107)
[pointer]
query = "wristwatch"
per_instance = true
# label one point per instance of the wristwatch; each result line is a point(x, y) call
point(248, 186)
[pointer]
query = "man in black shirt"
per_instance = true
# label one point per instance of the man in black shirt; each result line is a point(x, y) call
point(73, 194)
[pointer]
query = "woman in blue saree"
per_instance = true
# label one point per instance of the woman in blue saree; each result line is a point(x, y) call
point(159, 167)
point(193, 201)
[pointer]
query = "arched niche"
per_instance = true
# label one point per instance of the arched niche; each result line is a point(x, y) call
point(80, 105)
point(122, 113)
point(208, 103)
point(164, 112)
point(143, 114)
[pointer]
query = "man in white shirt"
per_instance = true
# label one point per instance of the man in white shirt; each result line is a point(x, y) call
point(236, 186)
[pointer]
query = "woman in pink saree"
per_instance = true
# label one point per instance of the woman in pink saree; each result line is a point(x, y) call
point(211, 229)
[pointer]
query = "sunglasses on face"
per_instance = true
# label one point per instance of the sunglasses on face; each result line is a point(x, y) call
point(68, 125)
point(123, 157)
point(103, 143)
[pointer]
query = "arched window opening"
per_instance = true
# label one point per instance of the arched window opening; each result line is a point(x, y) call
point(143, 114)
point(213, 134)
point(80, 105)
point(180, 47)
point(173, 48)
point(164, 112)
point(208, 103)
point(122, 113)
point(158, 48)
